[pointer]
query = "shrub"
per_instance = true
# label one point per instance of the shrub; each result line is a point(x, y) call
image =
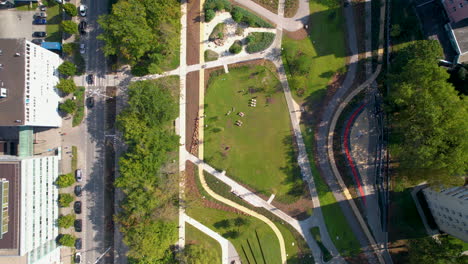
point(66, 221)
point(65, 199)
point(67, 68)
point(67, 240)
point(68, 106)
point(66, 85)
point(236, 47)
point(239, 31)
point(259, 41)
point(217, 5)
point(249, 18)
point(65, 180)
point(70, 9)
point(211, 55)
point(69, 27)
point(209, 15)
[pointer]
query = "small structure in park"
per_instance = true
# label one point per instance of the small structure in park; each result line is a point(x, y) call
point(239, 123)
point(253, 102)
point(241, 114)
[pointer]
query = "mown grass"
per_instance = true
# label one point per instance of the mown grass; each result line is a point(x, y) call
point(259, 153)
point(80, 104)
point(74, 159)
point(26, 7)
point(197, 237)
point(53, 23)
point(312, 63)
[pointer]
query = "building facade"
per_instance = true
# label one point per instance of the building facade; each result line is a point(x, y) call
point(28, 79)
point(449, 207)
point(33, 204)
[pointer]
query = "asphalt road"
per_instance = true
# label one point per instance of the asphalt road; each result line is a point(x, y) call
point(95, 240)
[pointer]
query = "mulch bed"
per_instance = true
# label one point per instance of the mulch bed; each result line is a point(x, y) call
point(193, 32)
point(192, 97)
point(297, 35)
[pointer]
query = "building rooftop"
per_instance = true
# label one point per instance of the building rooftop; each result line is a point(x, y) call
point(12, 77)
point(460, 30)
point(10, 170)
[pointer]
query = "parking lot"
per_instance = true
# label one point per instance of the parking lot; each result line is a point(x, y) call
point(18, 24)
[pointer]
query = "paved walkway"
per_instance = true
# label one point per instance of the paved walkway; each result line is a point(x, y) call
point(228, 251)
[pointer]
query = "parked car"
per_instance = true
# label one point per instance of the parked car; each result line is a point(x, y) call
point(78, 257)
point(40, 15)
point(78, 175)
point(78, 190)
point(43, 8)
point(39, 21)
point(37, 41)
point(78, 244)
point(77, 207)
point(90, 102)
point(82, 48)
point(39, 34)
point(82, 9)
point(82, 27)
point(90, 79)
point(78, 225)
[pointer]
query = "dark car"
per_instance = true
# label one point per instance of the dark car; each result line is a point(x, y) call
point(90, 102)
point(78, 175)
point(39, 21)
point(78, 224)
point(37, 41)
point(39, 34)
point(78, 243)
point(82, 27)
point(77, 207)
point(90, 79)
point(78, 190)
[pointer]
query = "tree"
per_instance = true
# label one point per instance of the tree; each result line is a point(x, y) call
point(69, 106)
point(69, 27)
point(209, 15)
point(395, 31)
point(69, 48)
point(430, 250)
point(429, 116)
point(67, 240)
point(67, 68)
point(65, 180)
point(236, 47)
point(66, 86)
point(65, 199)
point(66, 221)
point(237, 16)
point(70, 9)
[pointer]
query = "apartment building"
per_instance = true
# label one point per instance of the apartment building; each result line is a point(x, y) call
point(32, 210)
point(28, 76)
point(449, 207)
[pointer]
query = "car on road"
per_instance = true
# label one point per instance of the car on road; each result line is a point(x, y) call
point(82, 9)
point(78, 175)
point(82, 27)
point(90, 102)
point(78, 243)
point(78, 225)
point(37, 41)
point(90, 79)
point(78, 190)
point(40, 15)
point(82, 48)
point(39, 21)
point(39, 34)
point(77, 257)
point(77, 207)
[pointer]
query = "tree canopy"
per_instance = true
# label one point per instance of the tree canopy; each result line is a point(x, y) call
point(65, 199)
point(65, 180)
point(67, 240)
point(66, 221)
point(67, 68)
point(70, 9)
point(66, 86)
point(69, 27)
point(146, 123)
point(142, 31)
point(441, 251)
point(428, 116)
point(68, 106)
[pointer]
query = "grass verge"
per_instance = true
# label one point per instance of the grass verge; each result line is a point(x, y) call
point(53, 22)
point(197, 237)
point(74, 160)
point(80, 104)
point(26, 7)
point(259, 152)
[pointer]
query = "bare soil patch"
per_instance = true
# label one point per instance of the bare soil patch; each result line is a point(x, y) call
point(192, 107)
point(298, 34)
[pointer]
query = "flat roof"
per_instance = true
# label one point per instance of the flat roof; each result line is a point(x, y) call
point(460, 30)
point(10, 170)
point(12, 78)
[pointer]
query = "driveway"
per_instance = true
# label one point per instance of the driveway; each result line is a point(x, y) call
point(18, 24)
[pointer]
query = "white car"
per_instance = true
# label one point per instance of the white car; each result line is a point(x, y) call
point(78, 257)
point(83, 10)
point(82, 48)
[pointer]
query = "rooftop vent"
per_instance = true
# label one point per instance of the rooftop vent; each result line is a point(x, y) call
point(3, 92)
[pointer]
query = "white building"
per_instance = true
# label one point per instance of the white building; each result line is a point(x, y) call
point(449, 207)
point(28, 76)
point(32, 210)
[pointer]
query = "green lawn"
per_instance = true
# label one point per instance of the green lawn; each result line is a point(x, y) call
point(311, 63)
point(246, 234)
point(259, 153)
point(315, 231)
point(26, 7)
point(53, 23)
point(195, 236)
